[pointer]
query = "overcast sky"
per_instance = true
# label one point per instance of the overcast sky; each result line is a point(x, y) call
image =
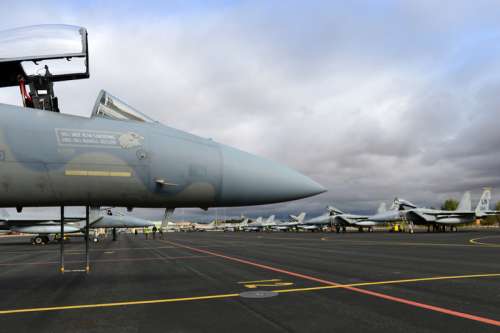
point(372, 99)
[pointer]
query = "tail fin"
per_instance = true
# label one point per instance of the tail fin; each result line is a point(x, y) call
point(258, 220)
point(465, 203)
point(382, 208)
point(334, 211)
point(484, 203)
point(270, 219)
point(301, 217)
point(298, 218)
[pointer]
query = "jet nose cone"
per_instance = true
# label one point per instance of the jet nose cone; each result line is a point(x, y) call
point(251, 180)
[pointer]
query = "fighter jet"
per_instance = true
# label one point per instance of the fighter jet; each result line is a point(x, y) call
point(118, 156)
point(318, 222)
point(438, 220)
point(294, 223)
point(259, 224)
point(206, 227)
point(334, 217)
point(343, 220)
point(42, 225)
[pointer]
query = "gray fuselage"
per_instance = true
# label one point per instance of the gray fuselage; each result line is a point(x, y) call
point(52, 159)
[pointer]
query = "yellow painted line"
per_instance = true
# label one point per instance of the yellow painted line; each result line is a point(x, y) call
point(361, 242)
point(362, 284)
point(107, 305)
point(97, 173)
point(475, 241)
point(75, 173)
point(222, 296)
point(275, 284)
point(259, 281)
point(120, 174)
point(198, 298)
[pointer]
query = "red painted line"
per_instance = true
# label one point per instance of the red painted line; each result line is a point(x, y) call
point(359, 290)
point(99, 260)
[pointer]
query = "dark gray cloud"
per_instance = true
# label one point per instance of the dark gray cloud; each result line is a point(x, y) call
point(371, 100)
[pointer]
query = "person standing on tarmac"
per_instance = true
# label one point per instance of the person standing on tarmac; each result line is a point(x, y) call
point(160, 230)
point(135, 232)
point(146, 232)
point(154, 232)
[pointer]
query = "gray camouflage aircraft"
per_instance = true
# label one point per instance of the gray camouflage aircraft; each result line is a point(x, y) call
point(438, 219)
point(340, 220)
point(46, 224)
point(118, 156)
point(343, 220)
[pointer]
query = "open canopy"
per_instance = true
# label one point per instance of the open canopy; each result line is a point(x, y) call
point(110, 107)
point(25, 51)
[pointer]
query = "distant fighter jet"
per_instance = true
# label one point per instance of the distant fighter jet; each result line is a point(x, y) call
point(336, 218)
point(294, 223)
point(438, 219)
point(342, 220)
point(42, 225)
point(260, 224)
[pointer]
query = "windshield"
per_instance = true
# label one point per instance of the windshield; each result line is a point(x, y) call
point(110, 107)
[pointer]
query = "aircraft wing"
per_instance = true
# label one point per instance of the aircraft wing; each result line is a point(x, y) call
point(342, 220)
point(114, 221)
point(420, 217)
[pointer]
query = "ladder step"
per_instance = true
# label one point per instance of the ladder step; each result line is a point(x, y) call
point(74, 270)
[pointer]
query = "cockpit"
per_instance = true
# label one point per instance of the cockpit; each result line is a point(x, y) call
point(37, 56)
point(111, 107)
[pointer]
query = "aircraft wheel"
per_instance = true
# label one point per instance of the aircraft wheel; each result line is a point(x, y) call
point(38, 240)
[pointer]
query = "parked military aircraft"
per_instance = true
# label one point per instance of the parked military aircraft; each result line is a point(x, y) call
point(260, 224)
point(439, 219)
point(118, 156)
point(294, 223)
point(42, 225)
point(318, 222)
point(212, 226)
point(340, 220)
point(343, 220)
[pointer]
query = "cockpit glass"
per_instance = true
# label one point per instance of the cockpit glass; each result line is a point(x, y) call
point(110, 107)
point(42, 41)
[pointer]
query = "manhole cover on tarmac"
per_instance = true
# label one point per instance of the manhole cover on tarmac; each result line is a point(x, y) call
point(258, 294)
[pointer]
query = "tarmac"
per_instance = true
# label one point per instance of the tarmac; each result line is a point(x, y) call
point(256, 282)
